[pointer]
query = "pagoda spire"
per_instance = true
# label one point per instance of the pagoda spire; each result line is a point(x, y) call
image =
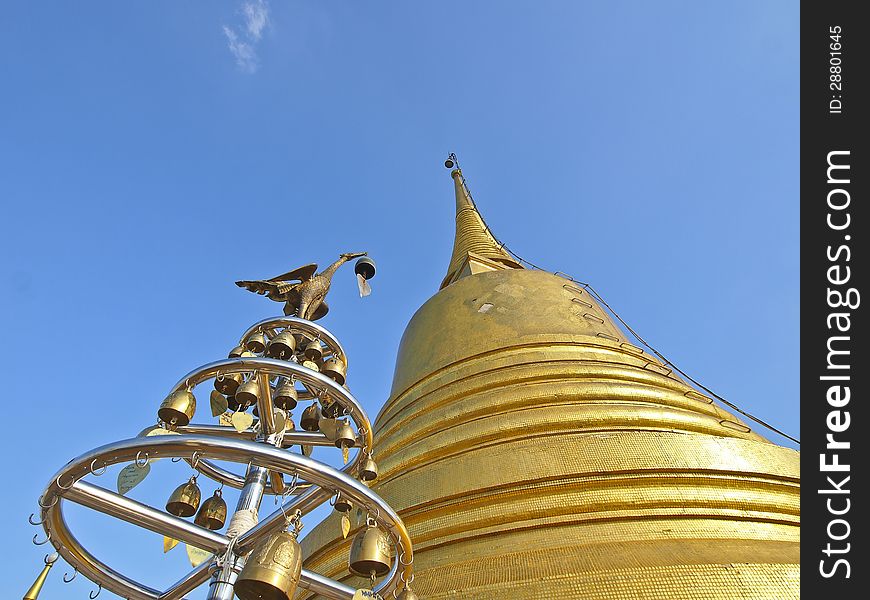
point(475, 249)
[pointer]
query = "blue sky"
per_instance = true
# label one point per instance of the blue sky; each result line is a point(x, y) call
point(153, 153)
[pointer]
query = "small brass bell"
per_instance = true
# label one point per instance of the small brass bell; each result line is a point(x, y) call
point(370, 552)
point(256, 343)
point(178, 408)
point(285, 396)
point(342, 504)
point(248, 393)
point(335, 370)
point(344, 436)
point(213, 512)
point(236, 352)
point(313, 351)
point(368, 470)
point(272, 570)
point(228, 384)
point(310, 419)
point(282, 345)
point(185, 499)
point(333, 410)
point(407, 594)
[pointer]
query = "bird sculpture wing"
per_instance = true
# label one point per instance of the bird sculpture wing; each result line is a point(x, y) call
point(278, 287)
point(269, 288)
point(301, 274)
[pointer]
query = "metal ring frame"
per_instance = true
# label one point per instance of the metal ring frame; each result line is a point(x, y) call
point(273, 366)
point(295, 323)
point(241, 451)
point(221, 443)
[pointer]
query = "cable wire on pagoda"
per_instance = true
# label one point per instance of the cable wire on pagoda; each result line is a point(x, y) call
point(616, 315)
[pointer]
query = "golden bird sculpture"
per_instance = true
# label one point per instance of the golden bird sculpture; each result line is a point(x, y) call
point(302, 292)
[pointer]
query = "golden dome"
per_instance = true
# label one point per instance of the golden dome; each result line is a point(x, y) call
point(534, 453)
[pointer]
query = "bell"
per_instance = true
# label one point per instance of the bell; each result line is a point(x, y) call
point(310, 420)
point(333, 410)
point(177, 408)
point(365, 267)
point(228, 384)
point(449, 162)
point(248, 393)
point(342, 504)
point(213, 512)
point(184, 500)
point(272, 570)
point(236, 352)
point(370, 553)
point(282, 345)
point(344, 436)
point(407, 594)
point(334, 369)
point(256, 343)
point(313, 351)
point(285, 395)
point(368, 470)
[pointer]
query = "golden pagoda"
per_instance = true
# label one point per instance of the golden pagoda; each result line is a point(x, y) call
point(534, 452)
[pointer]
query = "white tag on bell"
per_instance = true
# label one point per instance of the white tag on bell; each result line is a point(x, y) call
point(364, 288)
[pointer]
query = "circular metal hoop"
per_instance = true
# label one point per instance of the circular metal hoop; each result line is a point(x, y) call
point(296, 324)
point(271, 366)
point(324, 477)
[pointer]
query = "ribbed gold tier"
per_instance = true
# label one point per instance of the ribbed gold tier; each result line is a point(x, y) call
point(533, 453)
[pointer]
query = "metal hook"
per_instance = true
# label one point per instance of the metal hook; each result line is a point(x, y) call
point(30, 520)
point(402, 562)
point(75, 574)
point(45, 541)
point(43, 505)
point(138, 458)
point(98, 472)
point(58, 484)
point(194, 459)
point(92, 595)
point(176, 459)
point(281, 507)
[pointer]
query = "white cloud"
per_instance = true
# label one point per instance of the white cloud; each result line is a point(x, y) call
point(256, 18)
point(246, 56)
point(243, 46)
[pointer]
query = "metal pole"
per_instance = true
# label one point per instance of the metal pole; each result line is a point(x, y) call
point(252, 494)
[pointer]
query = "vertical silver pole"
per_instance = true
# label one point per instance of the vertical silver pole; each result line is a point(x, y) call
point(252, 494)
